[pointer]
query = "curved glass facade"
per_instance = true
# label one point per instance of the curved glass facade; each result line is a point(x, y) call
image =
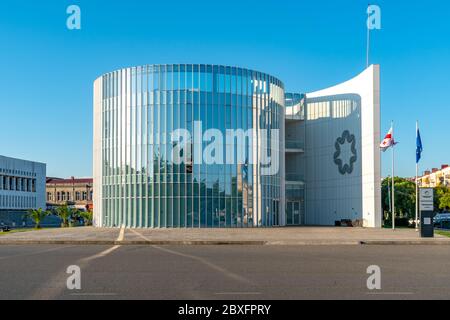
point(136, 112)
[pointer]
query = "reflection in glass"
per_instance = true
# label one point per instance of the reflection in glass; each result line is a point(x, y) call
point(142, 187)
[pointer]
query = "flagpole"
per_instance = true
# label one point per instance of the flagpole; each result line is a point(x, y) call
point(368, 38)
point(393, 179)
point(417, 184)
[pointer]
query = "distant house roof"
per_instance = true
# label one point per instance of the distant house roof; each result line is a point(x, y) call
point(70, 181)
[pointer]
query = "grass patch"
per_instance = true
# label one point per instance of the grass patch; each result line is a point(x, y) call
point(443, 233)
point(16, 231)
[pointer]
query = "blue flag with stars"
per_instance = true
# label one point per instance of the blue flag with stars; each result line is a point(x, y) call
point(419, 149)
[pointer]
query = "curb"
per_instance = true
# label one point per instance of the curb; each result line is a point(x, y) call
point(134, 243)
point(55, 242)
point(406, 243)
point(229, 243)
point(315, 243)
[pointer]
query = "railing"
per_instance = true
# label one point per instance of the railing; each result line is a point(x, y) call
point(296, 112)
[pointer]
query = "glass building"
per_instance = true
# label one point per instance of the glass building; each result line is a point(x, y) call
point(295, 129)
point(252, 155)
point(136, 112)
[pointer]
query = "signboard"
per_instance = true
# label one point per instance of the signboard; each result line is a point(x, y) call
point(426, 199)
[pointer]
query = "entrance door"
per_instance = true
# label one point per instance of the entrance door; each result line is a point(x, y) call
point(294, 214)
point(296, 210)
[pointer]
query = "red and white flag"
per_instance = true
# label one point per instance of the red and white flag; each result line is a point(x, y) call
point(388, 141)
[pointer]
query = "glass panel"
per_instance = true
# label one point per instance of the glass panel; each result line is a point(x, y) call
point(143, 105)
point(296, 213)
point(289, 214)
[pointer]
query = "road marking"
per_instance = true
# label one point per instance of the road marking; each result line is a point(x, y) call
point(101, 254)
point(56, 286)
point(140, 235)
point(211, 265)
point(121, 234)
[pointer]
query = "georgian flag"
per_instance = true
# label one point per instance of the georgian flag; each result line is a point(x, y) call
point(388, 141)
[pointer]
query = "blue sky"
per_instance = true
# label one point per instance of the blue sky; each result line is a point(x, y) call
point(48, 70)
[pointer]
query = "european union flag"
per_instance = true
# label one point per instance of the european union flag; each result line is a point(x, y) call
point(419, 147)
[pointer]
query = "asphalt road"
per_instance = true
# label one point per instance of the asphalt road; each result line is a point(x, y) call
point(224, 272)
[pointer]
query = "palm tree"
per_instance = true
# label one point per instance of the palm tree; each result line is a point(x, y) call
point(65, 213)
point(37, 216)
point(74, 217)
point(87, 217)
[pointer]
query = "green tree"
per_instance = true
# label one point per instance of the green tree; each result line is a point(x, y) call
point(440, 193)
point(37, 216)
point(405, 197)
point(444, 201)
point(66, 214)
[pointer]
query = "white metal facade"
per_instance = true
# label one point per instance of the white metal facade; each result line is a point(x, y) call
point(342, 183)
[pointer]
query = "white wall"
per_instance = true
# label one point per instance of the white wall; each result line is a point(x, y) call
point(34, 200)
point(352, 106)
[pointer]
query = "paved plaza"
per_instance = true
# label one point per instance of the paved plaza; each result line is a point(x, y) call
point(276, 236)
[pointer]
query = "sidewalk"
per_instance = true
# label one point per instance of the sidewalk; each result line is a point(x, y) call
point(275, 236)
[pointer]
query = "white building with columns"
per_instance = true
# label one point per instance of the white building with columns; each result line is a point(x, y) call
point(22, 187)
